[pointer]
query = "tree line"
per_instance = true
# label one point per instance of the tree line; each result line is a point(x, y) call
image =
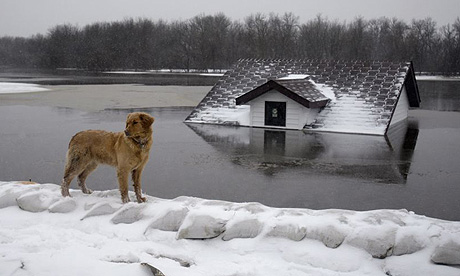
point(215, 41)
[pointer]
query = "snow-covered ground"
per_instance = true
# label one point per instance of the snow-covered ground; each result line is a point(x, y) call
point(42, 233)
point(12, 88)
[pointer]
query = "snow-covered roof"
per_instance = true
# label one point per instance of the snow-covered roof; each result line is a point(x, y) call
point(302, 91)
point(363, 94)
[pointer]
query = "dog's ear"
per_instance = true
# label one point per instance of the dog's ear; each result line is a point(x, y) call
point(146, 119)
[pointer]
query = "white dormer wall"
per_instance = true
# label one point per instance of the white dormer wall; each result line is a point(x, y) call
point(402, 108)
point(297, 115)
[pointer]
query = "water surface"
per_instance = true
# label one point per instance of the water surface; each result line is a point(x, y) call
point(416, 168)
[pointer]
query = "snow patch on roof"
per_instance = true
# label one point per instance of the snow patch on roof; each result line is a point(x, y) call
point(294, 77)
point(325, 90)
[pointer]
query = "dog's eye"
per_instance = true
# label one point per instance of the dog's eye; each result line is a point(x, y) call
point(134, 123)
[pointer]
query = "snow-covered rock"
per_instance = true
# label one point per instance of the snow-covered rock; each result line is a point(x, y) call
point(171, 220)
point(100, 209)
point(447, 253)
point(9, 195)
point(246, 228)
point(201, 227)
point(408, 242)
point(64, 205)
point(37, 201)
point(129, 213)
point(289, 230)
point(377, 241)
point(329, 235)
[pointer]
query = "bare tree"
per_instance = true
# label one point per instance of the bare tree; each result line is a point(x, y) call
point(214, 41)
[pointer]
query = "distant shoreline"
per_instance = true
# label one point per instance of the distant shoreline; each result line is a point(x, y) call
point(83, 77)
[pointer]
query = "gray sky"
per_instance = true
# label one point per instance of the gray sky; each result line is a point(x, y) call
point(28, 17)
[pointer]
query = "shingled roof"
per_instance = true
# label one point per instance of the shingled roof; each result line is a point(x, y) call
point(302, 91)
point(364, 93)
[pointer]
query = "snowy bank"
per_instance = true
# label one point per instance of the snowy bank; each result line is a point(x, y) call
point(44, 234)
point(12, 88)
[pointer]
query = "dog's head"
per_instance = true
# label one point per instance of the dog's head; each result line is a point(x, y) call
point(139, 125)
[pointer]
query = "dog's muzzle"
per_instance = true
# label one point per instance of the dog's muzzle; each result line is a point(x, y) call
point(127, 133)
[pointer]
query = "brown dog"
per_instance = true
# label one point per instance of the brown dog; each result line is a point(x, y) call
point(128, 151)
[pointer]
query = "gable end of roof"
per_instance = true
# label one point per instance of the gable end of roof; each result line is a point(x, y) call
point(273, 85)
point(412, 87)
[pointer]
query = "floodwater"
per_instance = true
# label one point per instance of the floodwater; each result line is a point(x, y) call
point(415, 168)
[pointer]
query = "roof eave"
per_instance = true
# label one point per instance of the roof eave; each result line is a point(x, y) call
point(270, 85)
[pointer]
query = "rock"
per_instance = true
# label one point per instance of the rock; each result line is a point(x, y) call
point(248, 228)
point(170, 221)
point(407, 243)
point(64, 205)
point(155, 271)
point(377, 241)
point(329, 236)
point(289, 231)
point(201, 227)
point(129, 213)
point(103, 208)
point(9, 195)
point(447, 254)
point(38, 201)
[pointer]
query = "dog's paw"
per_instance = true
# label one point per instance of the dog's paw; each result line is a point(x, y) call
point(65, 192)
point(87, 191)
point(125, 199)
point(141, 199)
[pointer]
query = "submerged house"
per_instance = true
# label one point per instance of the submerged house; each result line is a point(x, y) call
point(367, 97)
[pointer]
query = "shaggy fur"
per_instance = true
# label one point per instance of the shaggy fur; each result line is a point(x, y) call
point(128, 151)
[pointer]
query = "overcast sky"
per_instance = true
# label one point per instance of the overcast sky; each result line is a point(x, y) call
point(28, 17)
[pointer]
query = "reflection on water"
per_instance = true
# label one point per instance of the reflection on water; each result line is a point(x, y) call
point(440, 95)
point(383, 159)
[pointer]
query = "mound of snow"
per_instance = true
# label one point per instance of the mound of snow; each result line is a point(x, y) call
point(12, 88)
point(187, 236)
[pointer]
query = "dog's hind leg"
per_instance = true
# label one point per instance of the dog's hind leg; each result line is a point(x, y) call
point(83, 175)
point(65, 185)
point(73, 167)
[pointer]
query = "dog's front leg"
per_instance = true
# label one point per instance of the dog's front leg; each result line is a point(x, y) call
point(123, 176)
point(137, 173)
